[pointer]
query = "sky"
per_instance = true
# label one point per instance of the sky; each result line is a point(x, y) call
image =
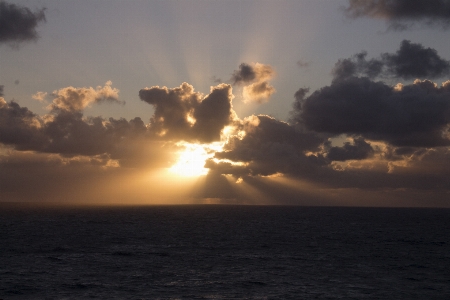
point(304, 102)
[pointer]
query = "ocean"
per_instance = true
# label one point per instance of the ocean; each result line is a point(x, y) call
point(224, 252)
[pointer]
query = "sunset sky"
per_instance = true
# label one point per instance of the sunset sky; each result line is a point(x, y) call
point(244, 102)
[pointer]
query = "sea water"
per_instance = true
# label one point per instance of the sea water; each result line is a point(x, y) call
point(224, 252)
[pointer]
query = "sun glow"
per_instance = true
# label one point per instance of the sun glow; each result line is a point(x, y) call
point(192, 160)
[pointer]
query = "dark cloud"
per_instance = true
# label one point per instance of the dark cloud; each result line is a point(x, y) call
point(18, 23)
point(403, 14)
point(409, 62)
point(65, 130)
point(272, 148)
point(71, 134)
point(181, 113)
point(1, 90)
point(19, 126)
point(265, 130)
point(213, 113)
point(360, 149)
point(411, 115)
point(173, 116)
point(245, 74)
point(255, 79)
point(268, 147)
point(66, 133)
point(415, 61)
point(357, 65)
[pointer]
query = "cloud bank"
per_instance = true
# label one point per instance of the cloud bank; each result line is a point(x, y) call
point(356, 134)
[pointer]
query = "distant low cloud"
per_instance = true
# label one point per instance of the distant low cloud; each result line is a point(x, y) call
point(411, 61)
point(77, 99)
point(255, 79)
point(216, 80)
point(403, 14)
point(18, 23)
point(303, 64)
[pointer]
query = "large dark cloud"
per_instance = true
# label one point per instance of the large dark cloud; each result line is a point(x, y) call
point(411, 115)
point(181, 113)
point(411, 61)
point(268, 147)
point(67, 133)
point(1, 90)
point(18, 23)
point(402, 14)
point(71, 134)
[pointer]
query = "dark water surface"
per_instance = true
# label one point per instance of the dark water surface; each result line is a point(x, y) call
point(224, 252)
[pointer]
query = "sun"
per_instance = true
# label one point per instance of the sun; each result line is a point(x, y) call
point(192, 160)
